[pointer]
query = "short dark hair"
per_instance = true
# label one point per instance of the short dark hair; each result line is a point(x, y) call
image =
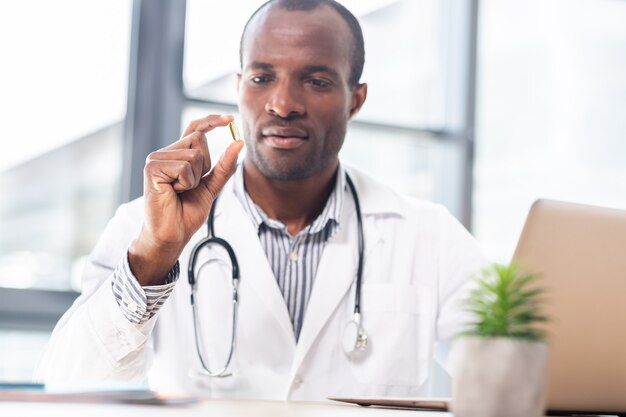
point(358, 48)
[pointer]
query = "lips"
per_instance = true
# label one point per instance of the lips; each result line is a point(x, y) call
point(284, 137)
point(285, 132)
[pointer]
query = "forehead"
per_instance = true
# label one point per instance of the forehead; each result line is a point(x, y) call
point(310, 37)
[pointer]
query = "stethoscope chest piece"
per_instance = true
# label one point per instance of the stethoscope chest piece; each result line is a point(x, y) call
point(354, 338)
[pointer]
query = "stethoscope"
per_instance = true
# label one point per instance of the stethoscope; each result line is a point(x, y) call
point(355, 337)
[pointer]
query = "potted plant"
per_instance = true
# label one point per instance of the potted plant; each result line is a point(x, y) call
point(499, 362)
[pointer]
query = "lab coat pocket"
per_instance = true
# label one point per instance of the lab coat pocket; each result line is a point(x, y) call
point(399, 323)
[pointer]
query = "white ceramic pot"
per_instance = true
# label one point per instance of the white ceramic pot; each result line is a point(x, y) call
point(498, 377)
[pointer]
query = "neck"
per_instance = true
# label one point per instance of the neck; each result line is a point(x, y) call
point(295, 203)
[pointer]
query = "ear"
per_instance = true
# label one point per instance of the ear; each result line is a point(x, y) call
point(359, 94)
point(238, 81)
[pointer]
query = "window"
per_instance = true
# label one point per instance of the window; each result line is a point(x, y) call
point(550, 120)
point(63, 81)
point(63, 100)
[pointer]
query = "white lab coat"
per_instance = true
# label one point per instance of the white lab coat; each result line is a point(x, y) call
point(418, 264)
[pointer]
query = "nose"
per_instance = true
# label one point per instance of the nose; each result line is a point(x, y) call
point(285, 101)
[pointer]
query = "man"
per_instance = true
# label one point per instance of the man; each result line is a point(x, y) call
point(290, 216)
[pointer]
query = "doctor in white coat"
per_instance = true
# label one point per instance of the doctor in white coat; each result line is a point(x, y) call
point(298, 88)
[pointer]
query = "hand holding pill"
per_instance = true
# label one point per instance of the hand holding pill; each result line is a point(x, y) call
point(180, 184)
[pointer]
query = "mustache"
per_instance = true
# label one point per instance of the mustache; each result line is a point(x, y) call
point(281, 123)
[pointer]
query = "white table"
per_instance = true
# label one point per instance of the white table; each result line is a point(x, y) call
point(221, 408)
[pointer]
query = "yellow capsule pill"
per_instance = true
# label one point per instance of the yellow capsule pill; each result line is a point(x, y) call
point(233, 131)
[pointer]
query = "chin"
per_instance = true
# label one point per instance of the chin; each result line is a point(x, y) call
point(285, 168)
point(285, 174)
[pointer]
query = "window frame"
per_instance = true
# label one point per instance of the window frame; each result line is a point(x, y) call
point(33, 309)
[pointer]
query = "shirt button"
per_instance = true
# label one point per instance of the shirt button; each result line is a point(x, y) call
point(293, 257)
point(132, 307)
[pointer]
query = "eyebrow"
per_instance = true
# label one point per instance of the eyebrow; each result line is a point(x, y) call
point(321, 68)
point(261, 65)
point(307, 69)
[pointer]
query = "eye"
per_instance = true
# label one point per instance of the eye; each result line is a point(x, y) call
point(259, 79)
point(319, 83)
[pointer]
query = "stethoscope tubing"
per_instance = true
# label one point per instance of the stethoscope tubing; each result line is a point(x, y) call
point(211, 238)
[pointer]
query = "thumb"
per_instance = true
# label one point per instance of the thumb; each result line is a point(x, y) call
point(223, 170)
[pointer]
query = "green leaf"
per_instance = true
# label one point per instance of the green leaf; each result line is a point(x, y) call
point(505, 303)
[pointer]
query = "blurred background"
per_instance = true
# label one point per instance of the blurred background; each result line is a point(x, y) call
point(481, 105)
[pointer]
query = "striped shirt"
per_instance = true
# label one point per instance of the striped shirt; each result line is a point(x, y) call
point(139, 304)
point(293, 259)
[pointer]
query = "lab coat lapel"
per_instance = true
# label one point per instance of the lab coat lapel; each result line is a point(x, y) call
point(335, 274)
point(235, 227)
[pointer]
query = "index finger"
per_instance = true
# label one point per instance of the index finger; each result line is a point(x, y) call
point(208, 123)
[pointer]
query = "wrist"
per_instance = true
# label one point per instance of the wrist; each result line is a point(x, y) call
point(151, 263)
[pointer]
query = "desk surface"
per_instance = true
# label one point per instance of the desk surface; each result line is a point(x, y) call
point(227, 408)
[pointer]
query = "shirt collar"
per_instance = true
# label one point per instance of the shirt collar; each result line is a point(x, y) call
point(330, 213)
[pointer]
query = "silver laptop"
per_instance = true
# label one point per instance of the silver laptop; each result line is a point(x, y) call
point(580, 254)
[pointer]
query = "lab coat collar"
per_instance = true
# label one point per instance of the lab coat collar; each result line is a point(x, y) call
point(375, 198)
point(331, 211)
